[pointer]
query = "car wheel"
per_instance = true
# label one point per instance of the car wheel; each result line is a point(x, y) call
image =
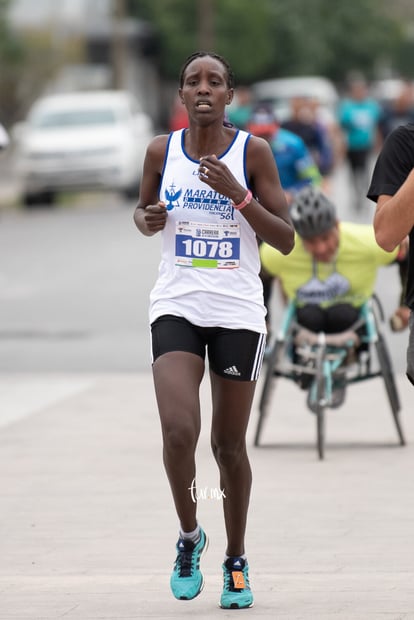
point(31, 200)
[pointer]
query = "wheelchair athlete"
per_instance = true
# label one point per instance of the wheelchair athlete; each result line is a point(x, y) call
point(332, 269)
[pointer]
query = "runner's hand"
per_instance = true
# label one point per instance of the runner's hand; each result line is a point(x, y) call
point(155, 217)
point(217, 175)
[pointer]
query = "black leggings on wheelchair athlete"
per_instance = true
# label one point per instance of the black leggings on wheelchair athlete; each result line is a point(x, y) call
point(330, 320)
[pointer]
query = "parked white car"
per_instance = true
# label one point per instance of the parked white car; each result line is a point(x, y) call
point(81, 141)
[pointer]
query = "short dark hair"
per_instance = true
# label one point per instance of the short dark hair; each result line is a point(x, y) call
point(201, 54)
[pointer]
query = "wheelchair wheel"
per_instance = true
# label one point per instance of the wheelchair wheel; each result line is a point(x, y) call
point(320, 402)
point(384, 361)
point(268, 385)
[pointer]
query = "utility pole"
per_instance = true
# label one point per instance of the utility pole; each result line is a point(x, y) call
point(118, 44)
point(206, 24)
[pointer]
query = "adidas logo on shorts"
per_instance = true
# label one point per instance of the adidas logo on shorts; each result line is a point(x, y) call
point(232, 370)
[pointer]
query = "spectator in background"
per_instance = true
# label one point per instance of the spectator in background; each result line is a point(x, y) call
point(303, 122)
point(294, 161)
point(359, 116)
point(240, 111)
point(399, 111)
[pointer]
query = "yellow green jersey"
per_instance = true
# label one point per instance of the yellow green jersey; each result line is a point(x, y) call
point(349, 278)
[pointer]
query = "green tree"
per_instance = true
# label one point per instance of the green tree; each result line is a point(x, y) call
point(12, 59)
point(270, 38)
point(240, 32)
point(28, 61)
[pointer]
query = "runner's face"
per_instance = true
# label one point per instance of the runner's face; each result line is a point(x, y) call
point(205, 92)
point(323, 247)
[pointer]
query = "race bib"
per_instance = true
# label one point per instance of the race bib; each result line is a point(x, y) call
point(207, 245)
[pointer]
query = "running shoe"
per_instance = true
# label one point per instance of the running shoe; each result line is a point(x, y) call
point(186, 580)
point(236, 590)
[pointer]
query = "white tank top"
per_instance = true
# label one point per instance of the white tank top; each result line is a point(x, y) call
point(209, 270)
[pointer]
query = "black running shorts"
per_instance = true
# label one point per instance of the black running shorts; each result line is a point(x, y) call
point(232, 353)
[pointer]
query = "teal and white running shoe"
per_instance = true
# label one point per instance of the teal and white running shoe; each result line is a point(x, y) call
point(186, 580)
point(236, 590)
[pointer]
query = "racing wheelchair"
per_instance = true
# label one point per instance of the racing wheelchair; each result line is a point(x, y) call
point(325, 364)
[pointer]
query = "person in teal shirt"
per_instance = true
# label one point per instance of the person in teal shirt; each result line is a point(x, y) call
point(359, 116)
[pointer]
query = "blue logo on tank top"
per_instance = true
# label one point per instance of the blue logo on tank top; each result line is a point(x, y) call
point(172, 197)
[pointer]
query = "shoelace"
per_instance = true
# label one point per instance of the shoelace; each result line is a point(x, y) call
point(185, 563)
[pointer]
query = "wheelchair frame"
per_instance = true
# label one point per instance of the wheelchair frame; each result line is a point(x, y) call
point(327, 357)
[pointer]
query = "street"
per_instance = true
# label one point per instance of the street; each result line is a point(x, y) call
point(74, 286)
point(75, 281)
point(85, 510)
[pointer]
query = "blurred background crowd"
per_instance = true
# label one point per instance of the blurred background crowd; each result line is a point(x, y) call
point(338, 75)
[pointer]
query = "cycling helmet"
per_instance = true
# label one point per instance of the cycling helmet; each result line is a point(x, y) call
point(312, 212)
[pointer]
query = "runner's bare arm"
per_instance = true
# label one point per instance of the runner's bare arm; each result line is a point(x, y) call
point(267, 212)
point(394, 216)
point(150, 214)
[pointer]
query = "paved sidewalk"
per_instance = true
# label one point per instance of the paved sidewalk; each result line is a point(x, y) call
point(88, 529)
